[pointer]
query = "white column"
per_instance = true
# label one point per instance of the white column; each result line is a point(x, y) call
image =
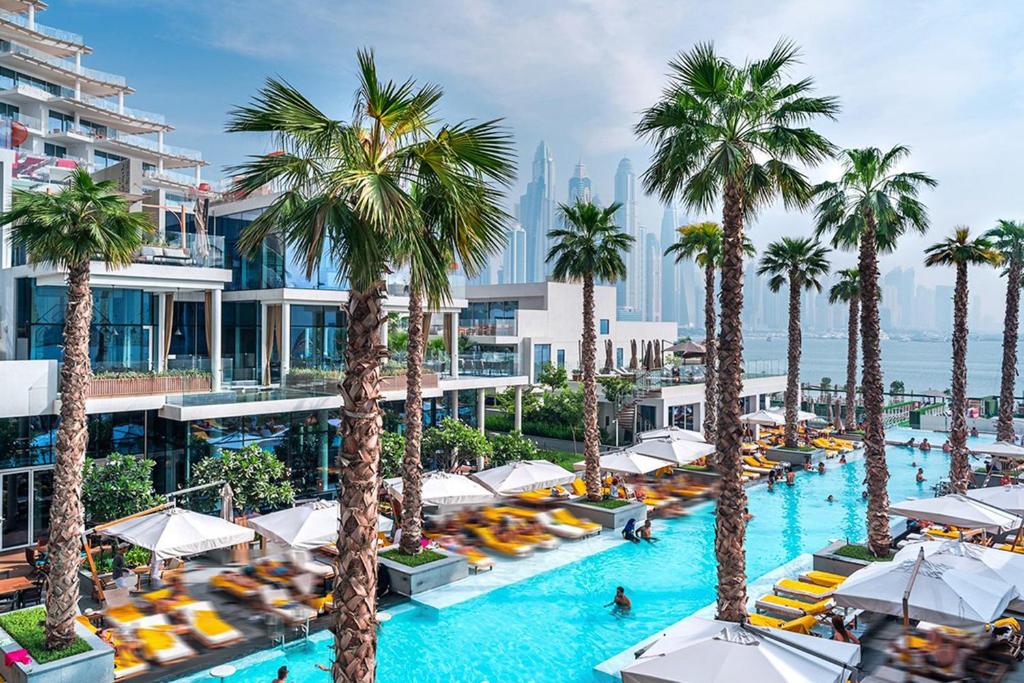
point(325, 440)
point(264, 371)
point(199, 174)
point(160, 141)
point(384, 328)
point(453, 403)
point(78, 89)
point(286, 344)
point(161, 362)
point(453, 323)
point(120, 102)
point(31, 17)
point(481, 414)
point(517, 422)
point(215, 357)
point(78, 62)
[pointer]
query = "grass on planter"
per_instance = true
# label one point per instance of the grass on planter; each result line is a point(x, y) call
point(860, 552)
point(798, 449)
point(696, 468)
point(26, 627)
point(424, 557)
point(610, 504)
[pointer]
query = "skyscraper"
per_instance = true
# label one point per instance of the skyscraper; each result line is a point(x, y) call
point(579, 185)
point(537, 213)
point(944, 309)
point(672, 302)
point(513, 266)
point(629, 292)
point(653, 293)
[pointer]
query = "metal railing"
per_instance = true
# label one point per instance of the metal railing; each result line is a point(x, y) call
point(42, 29)
point(188, 249)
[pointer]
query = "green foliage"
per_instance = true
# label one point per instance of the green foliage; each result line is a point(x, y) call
point(506, 401)
point(616, 388)
point(861, 552)
point(609, 504)
point(590, 246)
point(398, 341)
point(961, 249)
point(453, 442)
point(258, 479)
point(511, 447)
point(133, 557)
point(896, 387)
point(564, 407)
point(564, 459)
point(419, 559)
point(392, 450)
point(120, 487)
point(826, 383)
point(800, 262)
point(553, 377)
point(26, 627)
point(436, 348)
point(137, 374)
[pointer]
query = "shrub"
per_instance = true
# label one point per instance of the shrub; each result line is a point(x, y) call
point(417, 560)
point(121, 486)
point(452, 442)
point(26, 627)
point(511, 447)
point(553, 377)
point(392, 450)
point(860, 552)
point(257, 478)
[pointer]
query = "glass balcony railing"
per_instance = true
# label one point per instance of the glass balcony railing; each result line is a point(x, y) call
point(495, 327)
point(46, 169)
point(113, 107)
point(7, 47)
point(188, 249)
point(43, 29)
point(183, 179)
point(489, 364)
point(152, 145)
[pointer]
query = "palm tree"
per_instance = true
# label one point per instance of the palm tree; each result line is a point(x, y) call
point(722, 131)
point(799, 262)
point(960, 251)
point(702, 242)
point(461, 218)
point(348, 192)
point(868, 209)
point(847, 290)
point(86, 221)
point(589, 247)
point(1008, 239)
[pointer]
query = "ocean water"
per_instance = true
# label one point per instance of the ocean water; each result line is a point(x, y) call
point(554, 626)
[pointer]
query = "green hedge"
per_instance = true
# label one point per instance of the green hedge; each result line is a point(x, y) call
point(860, 552)
point(504, 423)
point(26, 627)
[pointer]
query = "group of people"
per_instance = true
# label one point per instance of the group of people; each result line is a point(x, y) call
point(631, 532)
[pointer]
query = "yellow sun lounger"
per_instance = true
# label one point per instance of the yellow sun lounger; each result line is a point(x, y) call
point(755, 465)
point(207, 626)
point(1010, 548)
point(765, 462)
point(515, 512)
point(563, 516)
point(827, 579)
point(939, 532)
point(122, 615)
point(126, 665)
point(802, 625)
point(236, 585)
point(489, 540)
point(537, 496)
point(477, 560)
point(579, 488)
point(159, 642)
point(803, 590)
point(777, 604)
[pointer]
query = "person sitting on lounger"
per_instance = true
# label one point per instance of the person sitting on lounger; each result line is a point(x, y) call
point(841, 633)
point(621, 602)
point(629, 531)
point(925, 446)
point(645, 532)
point(920, 475)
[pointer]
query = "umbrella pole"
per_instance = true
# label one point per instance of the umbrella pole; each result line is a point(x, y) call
point(96, 583)
point(910, 587)
point(1016, 539)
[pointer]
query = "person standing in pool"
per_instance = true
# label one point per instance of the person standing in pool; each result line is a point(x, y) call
point(621, 602)
point(920, 475)
point(282, 675)
point(645, 532)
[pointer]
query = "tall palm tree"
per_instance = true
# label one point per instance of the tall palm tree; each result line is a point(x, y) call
point(461, 219)
point(86, 221)
point(732, 132)
point(1008, 238)
point(847, 290)
point(960, 251)
point(868, 209)
point(590, 247)
point(348, 193)
point(702, 243)
point(800, 262)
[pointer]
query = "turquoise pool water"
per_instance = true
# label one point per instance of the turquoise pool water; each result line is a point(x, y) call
point(553, 626)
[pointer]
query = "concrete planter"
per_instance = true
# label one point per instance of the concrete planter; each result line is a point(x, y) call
point(609, 519)
point(410, 581)
point(95, 665)
point(795, 458)
point(825, 560)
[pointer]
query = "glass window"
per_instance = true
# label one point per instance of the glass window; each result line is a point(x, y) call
point(106, 159)
point(489, 318)
point(541, 357)
point(605, 326)
point(317, 337)
point(52, 150)
point(188, 337)
point(561, 358)
point(619, 353)
point(61, 122)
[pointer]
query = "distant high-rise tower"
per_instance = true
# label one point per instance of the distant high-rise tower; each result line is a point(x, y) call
point(579, 185)
point(653, 292)
point(629, 292)
point(537, 213)
point(673, 305)
point(513, 265)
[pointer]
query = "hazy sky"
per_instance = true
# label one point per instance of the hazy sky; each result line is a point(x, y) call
point(942, 77)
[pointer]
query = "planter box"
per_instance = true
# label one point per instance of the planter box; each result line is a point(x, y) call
point(94, 665)
point(825, 560)
point(609, 519)
point(113, 387)
point(398, 382)
point(795, 458)
point(410, 581)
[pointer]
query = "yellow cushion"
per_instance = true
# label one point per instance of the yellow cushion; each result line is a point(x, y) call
point(210, 623)
point(154, 640)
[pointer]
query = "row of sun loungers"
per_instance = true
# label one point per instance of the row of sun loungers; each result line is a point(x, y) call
point(795, 599)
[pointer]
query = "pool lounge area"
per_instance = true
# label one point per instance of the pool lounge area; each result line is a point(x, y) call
point(552, 626)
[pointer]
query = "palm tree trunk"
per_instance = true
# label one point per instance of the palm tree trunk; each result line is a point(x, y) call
point(793, 363)
point(1004, 428)
point(879, 535)
point(730, 526)
point(591, 435)
point(66, 515)
point(412, 467)
point(710, 357)
point(959, 467)
point(851, 361)
point(355, 621)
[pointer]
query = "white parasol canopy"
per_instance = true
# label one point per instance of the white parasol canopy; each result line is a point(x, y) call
point(1009, 498)
point(944, 591)
point(1007, 566)
point(1002, 449)
point(707, 651)
point(444, 488)
point(765, 418)
point(671, 432)
point(306, 526)
point(522, 476)
point(801, 415)
point(627, 463)
point(176, 532)
point(678, 452)
point(958, 510)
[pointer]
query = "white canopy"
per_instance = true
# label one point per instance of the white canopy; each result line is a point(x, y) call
point(176, 532)
point(306, 526)
point(1000, 448)
point(764, 418)
point(671, 432)
point(627, 463)
point(945, 591)
point(1009, 498)
point(801, 415)
point(444, 488)
point(1007, 566)
point(958, 510)
point(678, 452)
point(523, 475)
point(706, 651)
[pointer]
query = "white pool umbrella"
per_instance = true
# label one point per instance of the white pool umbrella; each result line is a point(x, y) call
point(624, 462)
point(958, 510)
point(677, 452)
point(801, 415)
point(1007, 566)
point(1009, 498)
point(672, 432)
point(763, 418)
point(1001, 449)
point(707, 651)
point(306, 526)
point(943, 591)
point(176, 532)
point(522, 476)
point(444, 488)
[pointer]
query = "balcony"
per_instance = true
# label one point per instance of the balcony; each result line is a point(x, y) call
point(489, 364)
point(101, 82)
point(495, 327)
point(74, 41)
point(114, 385)
point(42, 170)
point(150, 145)
point(170, 178)
point(188, 249)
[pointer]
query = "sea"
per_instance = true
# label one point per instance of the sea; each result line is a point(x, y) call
point(920, 364)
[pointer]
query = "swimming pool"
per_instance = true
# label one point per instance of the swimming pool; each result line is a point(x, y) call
point(553, 627)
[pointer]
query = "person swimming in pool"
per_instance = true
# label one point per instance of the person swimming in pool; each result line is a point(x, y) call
point(621, 602)
point(920, 475)
point(830, 499)
point(821, 468)
point(911, 442)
